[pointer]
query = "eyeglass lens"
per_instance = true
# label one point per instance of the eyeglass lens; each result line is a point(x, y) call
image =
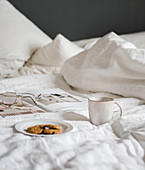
point(9, 98)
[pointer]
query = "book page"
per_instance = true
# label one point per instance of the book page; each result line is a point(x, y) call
point(58, 100)
point(14, 110)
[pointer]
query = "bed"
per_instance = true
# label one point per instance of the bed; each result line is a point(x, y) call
point(106, 58)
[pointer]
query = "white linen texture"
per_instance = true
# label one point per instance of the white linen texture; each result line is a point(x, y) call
point(117, 145)
point(56, 53)
point(138, 39)
point(111, 65)
point(19, 39)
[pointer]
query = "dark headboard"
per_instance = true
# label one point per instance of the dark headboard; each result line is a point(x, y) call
point(80, 19)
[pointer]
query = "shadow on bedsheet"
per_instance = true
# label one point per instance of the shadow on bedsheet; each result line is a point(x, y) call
point(74, 116)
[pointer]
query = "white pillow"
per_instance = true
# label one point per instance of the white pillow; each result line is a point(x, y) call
point(19, 38)
point(111, 65)
point(56, 52)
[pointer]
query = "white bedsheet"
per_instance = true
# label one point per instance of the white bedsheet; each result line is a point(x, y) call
point(117, 145)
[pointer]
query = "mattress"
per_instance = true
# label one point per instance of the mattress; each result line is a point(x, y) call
point(118, 144)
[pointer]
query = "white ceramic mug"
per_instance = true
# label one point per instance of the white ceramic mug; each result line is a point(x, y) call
point(101, 109)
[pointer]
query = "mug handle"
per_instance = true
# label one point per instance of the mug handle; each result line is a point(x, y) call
point(119, 108)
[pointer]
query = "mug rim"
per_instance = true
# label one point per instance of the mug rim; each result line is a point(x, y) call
point(101, 101)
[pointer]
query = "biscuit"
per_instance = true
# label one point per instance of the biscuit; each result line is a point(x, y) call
point(45, 129)
point(35, 129)
point(51, 131)
point(53, 126)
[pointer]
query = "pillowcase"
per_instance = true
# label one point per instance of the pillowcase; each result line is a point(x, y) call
point(56, 52)
point(19, 38)
point(111, 65)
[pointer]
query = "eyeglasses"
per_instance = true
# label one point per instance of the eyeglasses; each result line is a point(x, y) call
point(12, 98)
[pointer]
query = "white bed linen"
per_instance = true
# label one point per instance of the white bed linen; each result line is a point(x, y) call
point(111, 65)
point(119, 144)
point(19, 39)
point(55, 53)
point(138, 39)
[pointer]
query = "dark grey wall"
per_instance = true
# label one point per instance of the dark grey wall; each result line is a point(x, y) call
point(78, 19)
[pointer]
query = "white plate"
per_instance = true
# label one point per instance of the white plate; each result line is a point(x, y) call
point(22, 126)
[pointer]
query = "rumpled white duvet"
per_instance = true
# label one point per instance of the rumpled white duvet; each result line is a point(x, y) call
point(111, 65)
point(117, 145)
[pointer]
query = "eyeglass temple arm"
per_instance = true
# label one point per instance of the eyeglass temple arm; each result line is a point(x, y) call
point(30, 98)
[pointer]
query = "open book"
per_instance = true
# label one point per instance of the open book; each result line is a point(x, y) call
point(58, 100)
point(47, 100)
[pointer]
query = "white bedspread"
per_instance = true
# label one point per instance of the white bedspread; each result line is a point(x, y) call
point(117, 145)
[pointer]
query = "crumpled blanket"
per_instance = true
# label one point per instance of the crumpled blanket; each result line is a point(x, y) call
point(111, 65)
